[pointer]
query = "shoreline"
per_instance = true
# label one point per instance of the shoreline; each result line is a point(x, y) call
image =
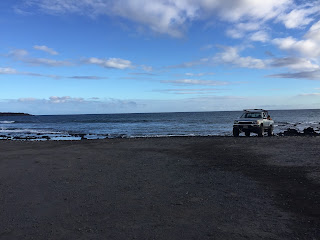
point(161, 188)
point(308, 132)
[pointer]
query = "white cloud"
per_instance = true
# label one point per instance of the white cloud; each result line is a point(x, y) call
point(8, 71)
point(110, 63)
point(195, 82)
point(310, 75)
point(301, 15)
point(294, 63)
point(23, 56)
point(308, 47)
point(161, 16)
point(188, 91)
point(248, 26)
point(198, 74)
point(314, 32)
point(235, 33)
point(46, 62)
point(260, 36)
point(18, 53)
point(140, 74)
point(27, 99)
point(87, 77)
point(296, 18)
point(191, 64)
point(64, 6)
point(46, 49)
point(235, 10)
point(169, 16)
point(231, 56)
point(69, 105)
point(239, 30)
point(118, 63)
point(64, 99)
point(309, 94)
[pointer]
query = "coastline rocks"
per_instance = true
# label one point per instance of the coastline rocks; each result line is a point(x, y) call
point(310, 131)
point(291, 132)
point(294, 132)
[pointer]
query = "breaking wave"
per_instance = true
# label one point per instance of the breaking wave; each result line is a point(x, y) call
point(6, 122)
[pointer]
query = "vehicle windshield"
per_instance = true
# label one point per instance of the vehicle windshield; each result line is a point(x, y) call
point(251, 115)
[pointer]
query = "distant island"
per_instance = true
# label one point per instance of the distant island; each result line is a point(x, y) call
point(14, 114)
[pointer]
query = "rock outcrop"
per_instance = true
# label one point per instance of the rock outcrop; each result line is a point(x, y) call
point(294, 132)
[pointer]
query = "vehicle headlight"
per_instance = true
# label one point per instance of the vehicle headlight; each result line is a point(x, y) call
point(236, 121)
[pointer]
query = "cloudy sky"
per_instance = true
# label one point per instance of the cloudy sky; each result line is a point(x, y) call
point(118, 56)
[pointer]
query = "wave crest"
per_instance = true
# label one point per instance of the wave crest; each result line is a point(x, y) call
point(6, 122)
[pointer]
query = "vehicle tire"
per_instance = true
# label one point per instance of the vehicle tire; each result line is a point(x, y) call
point(247, 133)
point(236, 132)
point(270, 131)
point(261, 131)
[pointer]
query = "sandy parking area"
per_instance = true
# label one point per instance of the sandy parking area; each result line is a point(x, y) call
point(161, 188)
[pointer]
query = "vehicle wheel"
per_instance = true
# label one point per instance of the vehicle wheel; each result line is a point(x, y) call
point(261, 131)
point(247, 133)
point(236, 132)
point(270, 131)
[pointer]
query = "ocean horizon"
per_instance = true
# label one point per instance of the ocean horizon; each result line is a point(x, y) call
point(130, 125)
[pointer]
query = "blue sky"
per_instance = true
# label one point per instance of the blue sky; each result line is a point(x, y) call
point(107, 56)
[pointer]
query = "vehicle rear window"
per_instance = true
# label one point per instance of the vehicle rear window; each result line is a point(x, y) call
point(251, 115)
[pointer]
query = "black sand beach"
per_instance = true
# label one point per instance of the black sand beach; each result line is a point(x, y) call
point(161, 188)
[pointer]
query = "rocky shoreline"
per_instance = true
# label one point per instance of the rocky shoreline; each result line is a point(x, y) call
point(307, 132)
point(294, 132)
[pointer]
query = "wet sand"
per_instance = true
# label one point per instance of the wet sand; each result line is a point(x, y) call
point(161, 188)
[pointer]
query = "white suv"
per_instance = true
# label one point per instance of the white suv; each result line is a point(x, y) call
point(253, 120)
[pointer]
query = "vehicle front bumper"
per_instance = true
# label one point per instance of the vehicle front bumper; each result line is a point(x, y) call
point(247, 127)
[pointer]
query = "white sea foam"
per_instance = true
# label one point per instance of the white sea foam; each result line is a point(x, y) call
point(32, 131)
point(60, 138)
point(6, 122)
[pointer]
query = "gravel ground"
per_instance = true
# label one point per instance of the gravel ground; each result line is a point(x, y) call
point(161, 188)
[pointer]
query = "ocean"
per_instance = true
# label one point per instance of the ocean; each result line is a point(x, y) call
point(100, 126)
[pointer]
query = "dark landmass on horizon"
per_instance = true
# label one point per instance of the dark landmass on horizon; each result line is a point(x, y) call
point(14, 114)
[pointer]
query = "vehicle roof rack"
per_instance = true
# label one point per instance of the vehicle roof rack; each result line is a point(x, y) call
point(248, 110)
